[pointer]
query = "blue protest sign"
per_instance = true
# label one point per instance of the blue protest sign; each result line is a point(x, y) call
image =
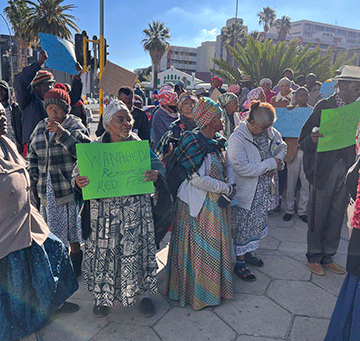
point(327, 89)
point(290, 122)
point(61, 53)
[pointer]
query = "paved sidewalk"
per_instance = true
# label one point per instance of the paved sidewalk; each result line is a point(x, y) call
point(286, 302)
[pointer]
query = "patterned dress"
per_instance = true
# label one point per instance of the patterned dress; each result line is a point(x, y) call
point(120, 259)
point(199, 264)
point(249, 226)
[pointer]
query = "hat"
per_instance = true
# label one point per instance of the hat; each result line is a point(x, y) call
point(246, 79)
point(205, 110)
point(187, 95)
point(42, 76)
point(166, 95)
point(266, 80)
point(226, 98)
point(349, 73)
point(234, 88)
point(59, 96)
point(201, 92)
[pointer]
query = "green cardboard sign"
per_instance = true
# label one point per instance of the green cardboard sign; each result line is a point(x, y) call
point(339, 126)
point(114, 169)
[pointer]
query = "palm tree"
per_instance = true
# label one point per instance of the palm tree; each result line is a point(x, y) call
point(156, 42)
point(48, 17)
point(283, 26)
point(267, 18)
point(18, 14)
point(231, 35)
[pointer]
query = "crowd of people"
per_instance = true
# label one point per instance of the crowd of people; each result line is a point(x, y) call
point(231, 165)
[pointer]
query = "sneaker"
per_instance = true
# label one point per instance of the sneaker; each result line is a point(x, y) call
point(68, 308)
point(100, 311)
point(334, 268)
point(244, 273)
point(316, 268)
point(287, 217)
point(251, 259)
point(147, 307)
point(304, 218)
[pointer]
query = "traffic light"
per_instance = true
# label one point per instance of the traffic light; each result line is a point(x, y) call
point(105, 51)
point(79, 48)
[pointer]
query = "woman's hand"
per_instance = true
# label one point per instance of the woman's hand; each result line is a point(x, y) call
point(151, 175)
point(82, 181)
point(279, 163)
point(270, 173)
point(54, 127)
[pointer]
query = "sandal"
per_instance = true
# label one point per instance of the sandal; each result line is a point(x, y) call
point(244, 273)
point(253, 260)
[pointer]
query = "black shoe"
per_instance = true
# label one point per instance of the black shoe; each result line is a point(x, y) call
point(68, 308)
point(76, 260)
point(253, 260)
point(244, 273)
point(100, 311)
point(147, 307)
point(287, 217)
point(304, 218)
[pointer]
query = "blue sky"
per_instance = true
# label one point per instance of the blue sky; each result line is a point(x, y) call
point(190, 21)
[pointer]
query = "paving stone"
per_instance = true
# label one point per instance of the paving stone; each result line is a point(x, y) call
point(343, 247)
point(254, 338)
point(132, 315)
point(116, 332)
point(287, 234)
point(186, 324)
point(256, 288)
point(305, 329)
point(330, 282)
point(269, 243)
point(31, 337)
point(255, 316)
point(293, 248)
point(81, 325)
point(302, 298)
point(284, 268)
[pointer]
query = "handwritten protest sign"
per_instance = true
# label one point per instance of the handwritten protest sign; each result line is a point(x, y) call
point(114, 77)
point(339, 126)
point(290, 122)
point(114, 169)
point(327, 89)
point(215, 95)
point(61, 53)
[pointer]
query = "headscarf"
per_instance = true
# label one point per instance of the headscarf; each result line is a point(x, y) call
point(279, 97)
point(114, 106)
point(253, 95)
point(234, 88)
point(205, 110)
point(266, 80)
point(229, 123)
point(188, 123)
point(166, 95)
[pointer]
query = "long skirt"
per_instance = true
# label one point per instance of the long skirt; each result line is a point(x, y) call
point(120, 261)
point(199, 270)
point(34, 282)
point(344, 324)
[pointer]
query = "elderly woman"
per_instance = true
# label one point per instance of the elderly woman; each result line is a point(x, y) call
point(120, 259)
point(170, 139)
point(199, 265)
point(284, 97)
point(36, 276)
point(254, 95)
point(166, 114)
point(266, 85)
point(229, 104)
point(52, 156)
point(255, 151)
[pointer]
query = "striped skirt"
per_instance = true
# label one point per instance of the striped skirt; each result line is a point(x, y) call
point(199, 270)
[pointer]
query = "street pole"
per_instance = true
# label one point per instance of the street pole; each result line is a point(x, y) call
point(10, 52)
point(101, 57)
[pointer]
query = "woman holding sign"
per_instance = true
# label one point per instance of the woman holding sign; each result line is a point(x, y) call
point(52, 157)
point(120, 259)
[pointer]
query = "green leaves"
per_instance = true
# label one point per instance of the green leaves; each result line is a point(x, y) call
point(264, 59)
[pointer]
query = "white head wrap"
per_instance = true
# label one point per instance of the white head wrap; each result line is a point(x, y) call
point(284, 80)
point(266, 80)
point(113, 107)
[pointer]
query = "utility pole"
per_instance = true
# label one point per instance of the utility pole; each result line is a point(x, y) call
point(10, 52)
point(101, 57)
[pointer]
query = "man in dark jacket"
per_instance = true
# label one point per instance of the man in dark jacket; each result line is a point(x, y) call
point(31, 85)
point(13, 115)
point(326, 173)
point(141, 125)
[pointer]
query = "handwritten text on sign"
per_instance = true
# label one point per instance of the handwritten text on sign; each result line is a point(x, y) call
point(114, 169)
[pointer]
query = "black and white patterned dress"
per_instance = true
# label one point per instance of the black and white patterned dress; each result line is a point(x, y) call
point(249, 226)
point(120, 259)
